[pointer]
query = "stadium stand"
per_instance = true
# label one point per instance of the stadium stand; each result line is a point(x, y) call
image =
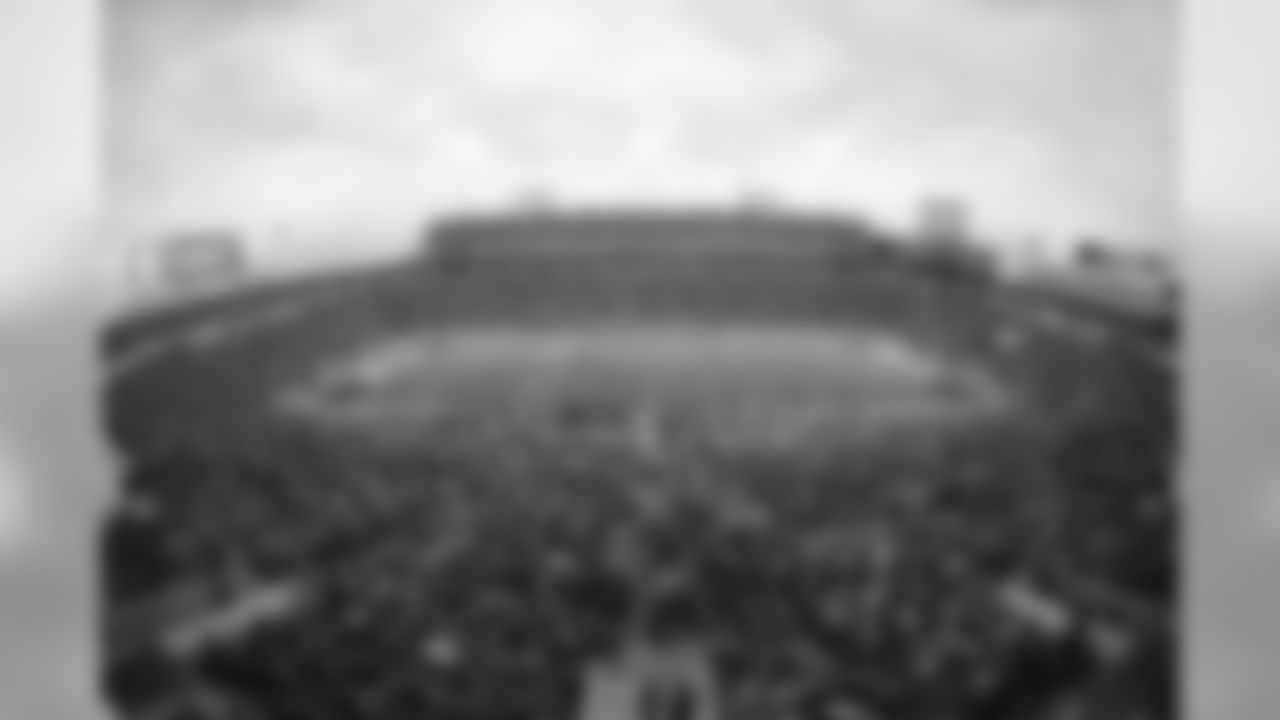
point(1019, 565)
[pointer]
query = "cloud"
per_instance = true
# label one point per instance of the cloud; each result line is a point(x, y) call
point(1048, 115)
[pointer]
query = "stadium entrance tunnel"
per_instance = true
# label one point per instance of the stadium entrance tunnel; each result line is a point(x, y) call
point(648, 386)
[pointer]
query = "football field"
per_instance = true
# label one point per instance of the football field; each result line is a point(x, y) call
point(779, 381)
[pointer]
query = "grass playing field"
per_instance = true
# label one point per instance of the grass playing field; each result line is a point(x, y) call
point(752, 382)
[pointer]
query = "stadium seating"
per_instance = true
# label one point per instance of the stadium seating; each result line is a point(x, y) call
point(957, 574)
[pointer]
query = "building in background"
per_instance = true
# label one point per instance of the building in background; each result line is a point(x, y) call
point(1136, 286)
point(201, 261)
point(1135, 271)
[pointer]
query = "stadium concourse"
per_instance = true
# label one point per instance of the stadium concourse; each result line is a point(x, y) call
point(814, 472)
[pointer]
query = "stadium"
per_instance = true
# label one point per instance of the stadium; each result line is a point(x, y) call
point(832, 475)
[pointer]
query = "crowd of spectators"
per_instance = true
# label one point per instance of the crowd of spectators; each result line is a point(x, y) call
point(1021, 569)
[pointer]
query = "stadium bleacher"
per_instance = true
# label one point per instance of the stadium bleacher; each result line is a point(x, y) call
point(1021, 566)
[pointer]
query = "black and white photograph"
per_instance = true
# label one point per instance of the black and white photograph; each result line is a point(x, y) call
point(641, 360)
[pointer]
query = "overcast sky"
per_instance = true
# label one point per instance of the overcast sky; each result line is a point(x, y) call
point(357, 117)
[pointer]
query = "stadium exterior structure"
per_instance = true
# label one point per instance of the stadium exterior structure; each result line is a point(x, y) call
point(641, 235)
point(687, 265)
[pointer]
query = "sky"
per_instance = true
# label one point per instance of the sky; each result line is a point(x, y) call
point(323, 125)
